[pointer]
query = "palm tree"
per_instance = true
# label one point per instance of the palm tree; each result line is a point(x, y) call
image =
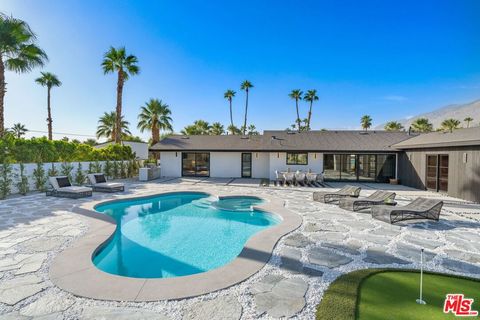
point(48, 80)
point(252, 130)
point(155, 116)
point(468, 120)
point(18, 53)
point(234, 130)
point(117, 60)
point(450, 124)
point(422, 125)
point(393, 126)
point(107, 126)
point(366, 122)
point(18, 130)
point(310, 96)
point(217, 129)
point(199, 127)
point(296, 95)
point(246, 85)
point(229, 94)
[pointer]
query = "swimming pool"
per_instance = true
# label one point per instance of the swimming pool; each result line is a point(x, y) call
point(179, 234)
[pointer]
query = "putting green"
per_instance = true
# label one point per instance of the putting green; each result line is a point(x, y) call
point(392, 295)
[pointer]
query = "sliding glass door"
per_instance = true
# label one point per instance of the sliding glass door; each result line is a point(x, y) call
point(195, 164)
point(246, 165)
point(437, 172)
point(359, 167)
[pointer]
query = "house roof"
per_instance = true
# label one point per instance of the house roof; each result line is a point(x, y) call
point(320, 141)
point(457, 138)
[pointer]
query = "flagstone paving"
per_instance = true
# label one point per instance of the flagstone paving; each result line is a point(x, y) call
point(331, 241)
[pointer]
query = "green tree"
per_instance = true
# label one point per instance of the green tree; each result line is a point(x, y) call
point(217, 129)
point(366, 122)
point(296, 95)
point(118, 61)
point(234, 130)
point(90, 142)
point(48, 80)
point(107, 126)
point(18, 53)
point(229, 94)
point(246, 86)
point(155, 116)
point(199, 127)
point(468, 120)
point(18, 130)
point(450, 124)
point(393, 126)
point(310, 96)
point(252, 130)
point(422, 125)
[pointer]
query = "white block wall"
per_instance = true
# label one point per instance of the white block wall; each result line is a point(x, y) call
point(171, 164)
point(278, 161)
point(260, 165)
point(226, 164)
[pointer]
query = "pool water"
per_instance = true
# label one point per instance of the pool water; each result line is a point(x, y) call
point(178, 234)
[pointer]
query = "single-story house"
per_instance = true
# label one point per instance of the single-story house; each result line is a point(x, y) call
point(139, 148)
point(340, 155)
point(447, 162)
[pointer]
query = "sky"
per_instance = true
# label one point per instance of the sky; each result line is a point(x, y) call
point(388, 59)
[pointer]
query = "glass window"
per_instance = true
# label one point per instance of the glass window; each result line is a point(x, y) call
point(297, 158)
point(195, 164)
point(331, 166)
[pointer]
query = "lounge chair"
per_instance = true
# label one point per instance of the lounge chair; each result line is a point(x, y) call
point(279, 178)
point(289, 178)
point(328, 197)
point(420, 208)
point(311, 178)
point(99, 183)
point(300, 178)
point(377, 198)
point(61, 187)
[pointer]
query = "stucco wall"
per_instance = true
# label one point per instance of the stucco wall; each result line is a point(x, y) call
point(225, 164)
point(278, 161)
point(171, 164)
point(260, 164)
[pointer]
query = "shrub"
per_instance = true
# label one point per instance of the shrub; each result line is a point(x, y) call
point(122, 169)
point(39, 177)
point(108, 169)
point(80, 175)
point(66, 170)
point(97, 167)
point(22, 180)
point(5, 178)
point(115, 170)
point(52, 172)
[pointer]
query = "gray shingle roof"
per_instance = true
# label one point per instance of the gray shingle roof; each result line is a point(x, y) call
point(320, 141)
point(459, 137)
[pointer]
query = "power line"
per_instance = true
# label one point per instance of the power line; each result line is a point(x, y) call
point(65, 133)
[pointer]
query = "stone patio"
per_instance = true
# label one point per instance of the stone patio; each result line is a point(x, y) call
point(331, 241)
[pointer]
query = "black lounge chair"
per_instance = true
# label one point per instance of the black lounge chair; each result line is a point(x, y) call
point(375, 199)
point(328, 197)
point(61, 187)
point(99, 183)
point(420, 208)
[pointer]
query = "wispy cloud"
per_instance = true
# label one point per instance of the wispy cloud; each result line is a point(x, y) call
point(395, 98)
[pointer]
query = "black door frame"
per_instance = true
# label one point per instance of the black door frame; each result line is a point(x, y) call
point(437, 171)
point(196, 175)
point(242, 162)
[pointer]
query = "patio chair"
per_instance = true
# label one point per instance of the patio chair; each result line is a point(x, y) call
point(377, 198)
point(328, 197)
point(99, 183)
point(300, 177)
point(61, 187)
point(289, 178)
point(279, 178)
point(420, 208)
point(311, 178)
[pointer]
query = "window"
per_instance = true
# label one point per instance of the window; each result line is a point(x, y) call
point(297, 158)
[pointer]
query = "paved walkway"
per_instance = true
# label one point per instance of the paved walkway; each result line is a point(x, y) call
point(331, 241)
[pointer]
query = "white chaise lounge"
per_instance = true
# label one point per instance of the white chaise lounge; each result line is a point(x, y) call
point(61, 187)
point(99, 183)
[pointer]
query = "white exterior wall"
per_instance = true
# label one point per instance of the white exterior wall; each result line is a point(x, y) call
point(225, 164)
point(171, 164)
point(260, 164)
point(278, 161)
point(140, 149)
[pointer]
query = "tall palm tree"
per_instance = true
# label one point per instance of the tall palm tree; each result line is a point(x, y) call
point(310, 96)
point(234, 130)
point(117, 60)
point(366, 122)
point(155, 116)
point(48, 80)
point(468, 120)
point(229, 94)
point(393, 126)
point(217, 129)
point(18, 53)
point(19, 130)
point(199, 127)
point(450, 124)
point(107, 126)
point(422, 125)
point(246, 86)
point(296, 95)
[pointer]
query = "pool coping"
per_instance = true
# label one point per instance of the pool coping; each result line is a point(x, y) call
point(73, 270)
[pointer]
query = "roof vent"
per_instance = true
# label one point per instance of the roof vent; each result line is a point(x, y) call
point(245, 137)
point(185, 137)
point(291, 132)
point(363, 132)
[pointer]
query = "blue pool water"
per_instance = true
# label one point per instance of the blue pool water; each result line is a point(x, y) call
point(178, 234)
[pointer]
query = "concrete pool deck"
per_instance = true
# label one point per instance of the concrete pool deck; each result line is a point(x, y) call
point(74, 271)
point(35, 229)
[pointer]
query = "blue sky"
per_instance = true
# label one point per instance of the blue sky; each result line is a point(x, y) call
point(389, 59)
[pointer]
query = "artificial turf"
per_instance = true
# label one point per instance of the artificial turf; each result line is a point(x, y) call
point(391, 294)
